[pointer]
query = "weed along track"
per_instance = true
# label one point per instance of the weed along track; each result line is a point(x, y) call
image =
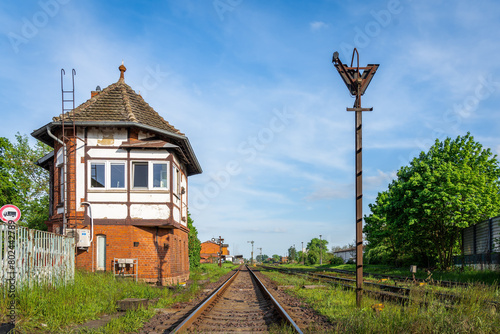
point(242, 304)
point(401, 293)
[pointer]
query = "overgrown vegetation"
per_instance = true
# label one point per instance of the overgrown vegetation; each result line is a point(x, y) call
point(419, 218)
point(22, 182)
point(472, 315)
point(194, 244)
point(92, 295)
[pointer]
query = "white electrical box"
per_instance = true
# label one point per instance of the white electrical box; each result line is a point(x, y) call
point(82, 237)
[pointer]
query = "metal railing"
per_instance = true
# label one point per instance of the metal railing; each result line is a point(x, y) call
point(39, 257)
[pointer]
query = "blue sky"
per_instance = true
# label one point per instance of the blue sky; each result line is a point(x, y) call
point(252, 85)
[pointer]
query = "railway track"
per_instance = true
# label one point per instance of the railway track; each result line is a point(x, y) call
point(394, 278)
point(379, 291)
point(241, 304)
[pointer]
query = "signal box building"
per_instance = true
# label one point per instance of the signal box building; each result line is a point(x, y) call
point(119, 183)
point(209, 252)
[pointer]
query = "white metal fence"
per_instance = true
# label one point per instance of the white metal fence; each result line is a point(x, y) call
point(39, 257)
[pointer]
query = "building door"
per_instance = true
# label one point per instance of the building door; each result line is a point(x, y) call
point(101, 252)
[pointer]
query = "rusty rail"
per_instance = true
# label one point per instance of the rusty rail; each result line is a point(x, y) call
point(186, 323)
point(277, 305)
point(210, 299)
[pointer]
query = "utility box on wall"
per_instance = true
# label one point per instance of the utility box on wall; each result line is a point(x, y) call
point(82, 237)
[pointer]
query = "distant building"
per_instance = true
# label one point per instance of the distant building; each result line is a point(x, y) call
point(118, 162)
point(238, 259)
point(209, 252)
point(347, 254)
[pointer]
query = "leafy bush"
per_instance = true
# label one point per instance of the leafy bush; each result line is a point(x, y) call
point(336, 260)
point(312, 258)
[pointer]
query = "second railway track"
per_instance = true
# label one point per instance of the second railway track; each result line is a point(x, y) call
point(242, 304)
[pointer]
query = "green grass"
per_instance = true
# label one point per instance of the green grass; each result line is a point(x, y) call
point(59, 310)
point(471, 315)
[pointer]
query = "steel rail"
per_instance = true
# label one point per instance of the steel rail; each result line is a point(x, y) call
point(277, 305)
point(396, 292)
point(210, 299)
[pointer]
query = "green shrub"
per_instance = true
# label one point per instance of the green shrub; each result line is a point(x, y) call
point(336, 260)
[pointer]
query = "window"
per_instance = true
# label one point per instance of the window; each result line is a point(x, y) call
point(140, 174)
point(117, 175)
point(149, 175)
point(177, 181)
point(101, 252)
point(107, 175)
point(61, 184)
point(97, 175)
point(160, 176)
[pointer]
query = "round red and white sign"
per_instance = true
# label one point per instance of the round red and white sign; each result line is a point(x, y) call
point(10, 212)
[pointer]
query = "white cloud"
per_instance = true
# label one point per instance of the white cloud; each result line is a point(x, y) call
point(318, 25)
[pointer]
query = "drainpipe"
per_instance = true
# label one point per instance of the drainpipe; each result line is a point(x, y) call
point(91, 221)
point(64, 176)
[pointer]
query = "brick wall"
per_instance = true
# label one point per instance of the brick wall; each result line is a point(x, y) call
point(161, 253)
point(209, 251)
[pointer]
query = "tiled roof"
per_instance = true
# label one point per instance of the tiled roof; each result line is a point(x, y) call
point(117, 103)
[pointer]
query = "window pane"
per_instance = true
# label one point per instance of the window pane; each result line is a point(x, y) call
point(140, 174)
point(101, 252)
point(177, 181)
point(117, 175)
point(97, 179)
point(61, 184)
point(160, 175)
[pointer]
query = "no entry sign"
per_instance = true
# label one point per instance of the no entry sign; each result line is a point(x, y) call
point(10, 212)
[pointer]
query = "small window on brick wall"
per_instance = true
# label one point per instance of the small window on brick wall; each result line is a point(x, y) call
point(61, 184)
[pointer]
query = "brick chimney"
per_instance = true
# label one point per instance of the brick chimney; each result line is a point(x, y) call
point(95, 92)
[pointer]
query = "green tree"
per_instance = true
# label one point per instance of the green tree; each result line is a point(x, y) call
point(8, 193)
point(276, 258)
point(315, 248)
point(292, 253)
point(194, 244)
point(421, 215)
point(312, 257)
point(262, 258)
point(26, 185)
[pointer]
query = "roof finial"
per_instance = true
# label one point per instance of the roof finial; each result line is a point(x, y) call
point(122, 69)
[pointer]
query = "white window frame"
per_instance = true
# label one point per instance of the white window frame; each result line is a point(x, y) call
point(107, 174)
point(101, 252)
point(176, 182)
point(150, 175)
point(117, 162)
point(62, 186)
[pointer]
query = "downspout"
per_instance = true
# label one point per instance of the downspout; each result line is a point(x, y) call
point(64, 176)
